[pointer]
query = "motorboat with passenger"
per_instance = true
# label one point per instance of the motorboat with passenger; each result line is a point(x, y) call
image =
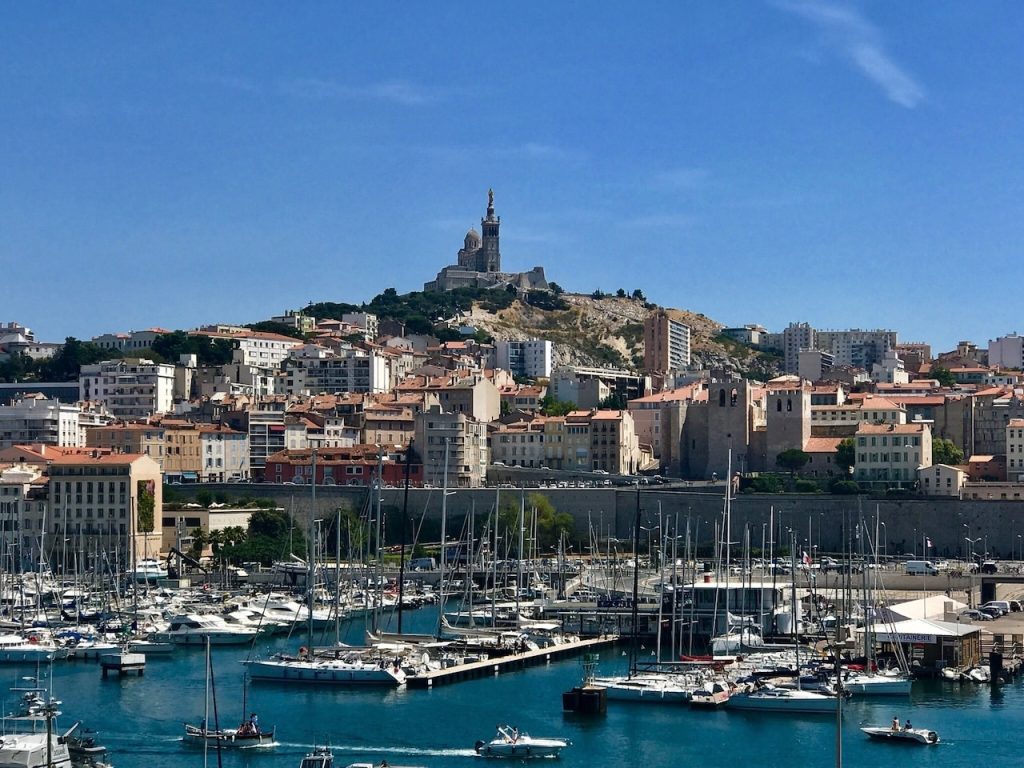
point(902, 735)
point(511, 742)
point(248, 734)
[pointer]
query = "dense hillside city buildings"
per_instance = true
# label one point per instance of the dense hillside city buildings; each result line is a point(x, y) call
point(844, 409)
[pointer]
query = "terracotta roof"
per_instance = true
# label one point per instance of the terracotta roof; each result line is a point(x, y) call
point(669, 395)
point(822, 444)
point(105, 458)
point(1015, 423)
point(882, 429)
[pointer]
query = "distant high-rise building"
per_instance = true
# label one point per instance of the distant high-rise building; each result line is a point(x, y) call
point(1006, 351)
point(530, 358)
point(796, 337)
point(666, 343)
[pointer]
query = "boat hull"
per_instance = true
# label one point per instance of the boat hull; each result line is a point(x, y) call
point(809, 704)
point(325, 673)
point(913, 736)
point(228, 737)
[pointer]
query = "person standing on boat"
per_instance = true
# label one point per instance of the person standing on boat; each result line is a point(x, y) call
point(895, 723)
point(254, 722)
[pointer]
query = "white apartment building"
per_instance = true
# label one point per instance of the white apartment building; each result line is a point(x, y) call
point(369, 324)
point(890, 370)
point(796, 337)
point(890, 455)
point(855, 347)
point(253, 348)
point(129, 388)
point(521, 444)
point(530, 358)
point(1006, 351)
point(22, 508)
point(316, 370)
point(34, 419)
point(224, 454)
point(270, 432)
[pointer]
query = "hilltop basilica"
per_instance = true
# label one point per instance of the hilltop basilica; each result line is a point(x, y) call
point(479, 262)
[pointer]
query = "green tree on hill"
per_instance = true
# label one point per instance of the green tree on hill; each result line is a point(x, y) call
point(946, 452)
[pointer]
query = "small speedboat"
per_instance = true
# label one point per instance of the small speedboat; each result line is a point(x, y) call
point(903, 735)
point(511, 742)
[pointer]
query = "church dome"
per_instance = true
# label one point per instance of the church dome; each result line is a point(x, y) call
point(472, 240)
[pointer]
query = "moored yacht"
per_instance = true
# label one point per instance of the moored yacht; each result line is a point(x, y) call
point(769, 698)
point(343, 667)
point(196, 628)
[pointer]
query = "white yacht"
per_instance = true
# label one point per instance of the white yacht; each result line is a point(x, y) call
point(771, 699)
point(148, 571)
point(648, 687)
point(345, 667)
point(878, 684)
point(34, 750)
point(511, 743)
point(18, 649)
point(195, 628)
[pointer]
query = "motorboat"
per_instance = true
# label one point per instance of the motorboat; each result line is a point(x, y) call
point(148, 571)
point(245, 735)
point(34, 750)
point(381, 764)
point(18, 649)
point(195, 628)
point(320, 757)
point(870, 684)
point(711, 693)
point(82, 744)
point(769, 698)
point(510, 742)
point(902, 735)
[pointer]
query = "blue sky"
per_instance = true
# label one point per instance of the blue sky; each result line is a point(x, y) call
point(847, 164)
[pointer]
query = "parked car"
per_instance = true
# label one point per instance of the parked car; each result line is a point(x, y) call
point(1014, 605)
point(974, 615)
point(1003, 606)
point(991, 610)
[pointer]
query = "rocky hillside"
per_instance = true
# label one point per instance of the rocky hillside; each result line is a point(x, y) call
point(608, 332)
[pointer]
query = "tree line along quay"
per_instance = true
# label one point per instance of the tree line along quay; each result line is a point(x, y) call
point(925, 528)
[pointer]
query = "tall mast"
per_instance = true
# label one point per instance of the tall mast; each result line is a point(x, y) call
point(401, 537)
point(636, 584)
point(444, 532)
point(310, 553)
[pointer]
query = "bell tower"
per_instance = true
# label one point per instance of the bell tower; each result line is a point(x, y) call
point(490, 253)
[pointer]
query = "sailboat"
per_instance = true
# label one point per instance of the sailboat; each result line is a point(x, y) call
point(247, 734)
point(341, 665)
point(872, 682)
point(651, 687)
point(766, 697)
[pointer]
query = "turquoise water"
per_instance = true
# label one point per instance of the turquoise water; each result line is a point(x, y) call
point(140, 719)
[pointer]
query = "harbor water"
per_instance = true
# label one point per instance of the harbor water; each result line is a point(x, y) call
point(140, 719)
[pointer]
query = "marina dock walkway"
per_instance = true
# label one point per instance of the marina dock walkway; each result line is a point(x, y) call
point(488, 667)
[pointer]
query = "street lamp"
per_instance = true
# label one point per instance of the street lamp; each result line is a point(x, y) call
point(1020, 546)
point(885, 540)
point(972, 542)
point(966, 531)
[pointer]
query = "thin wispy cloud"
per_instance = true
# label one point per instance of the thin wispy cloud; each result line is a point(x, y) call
point(398, 92)
point(857, 40)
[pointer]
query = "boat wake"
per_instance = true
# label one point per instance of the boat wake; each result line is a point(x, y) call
point(398, 750)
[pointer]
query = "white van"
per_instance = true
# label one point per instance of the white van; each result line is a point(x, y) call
point(921, 568)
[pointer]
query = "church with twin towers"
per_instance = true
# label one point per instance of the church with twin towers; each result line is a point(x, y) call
point(478, 264)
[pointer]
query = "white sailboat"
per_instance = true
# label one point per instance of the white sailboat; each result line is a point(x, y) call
point(765, 697)
point(342, 665)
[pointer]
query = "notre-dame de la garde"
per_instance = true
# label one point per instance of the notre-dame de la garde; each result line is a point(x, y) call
point(479, 262)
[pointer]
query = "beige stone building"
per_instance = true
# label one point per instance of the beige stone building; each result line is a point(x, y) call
point(890, 455)
point(388, 425)
point(136, 438)
point(467, 452)
point(101, 504)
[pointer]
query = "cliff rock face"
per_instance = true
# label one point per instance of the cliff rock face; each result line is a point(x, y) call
point(609, 332)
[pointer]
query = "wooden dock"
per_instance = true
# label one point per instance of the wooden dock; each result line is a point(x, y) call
point(493, 667)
